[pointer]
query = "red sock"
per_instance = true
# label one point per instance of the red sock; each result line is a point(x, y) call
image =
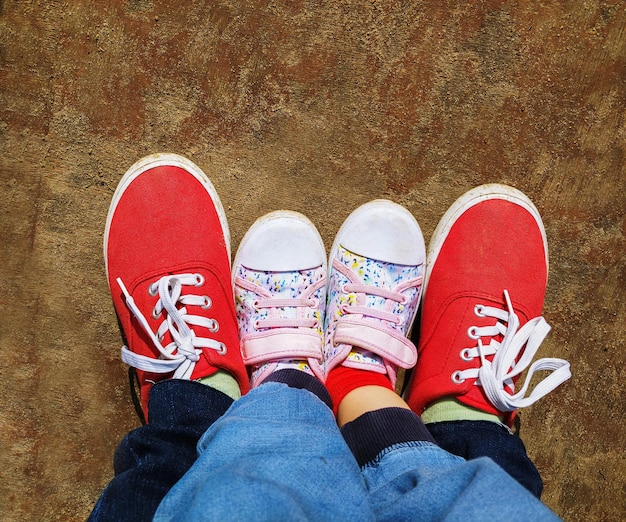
point(342, 380)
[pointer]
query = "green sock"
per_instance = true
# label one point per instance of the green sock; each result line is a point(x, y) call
point(449, 409)
point(224, 382)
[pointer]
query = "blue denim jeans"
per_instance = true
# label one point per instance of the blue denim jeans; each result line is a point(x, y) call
point(277, 454)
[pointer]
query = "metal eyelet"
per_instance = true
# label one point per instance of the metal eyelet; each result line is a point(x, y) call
point(472, 332)
point(465, 354)
point(222, 349)
point(456, 377)
point(478, 310)
point(215, 327)
point(199, 280)
point(153, 290)
point(155, 314)
point(207, 302)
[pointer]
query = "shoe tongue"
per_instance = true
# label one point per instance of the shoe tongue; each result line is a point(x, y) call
point(363, 358)
point(285, 285)
point(372, 272)
point(288, 285)
point(472, 320)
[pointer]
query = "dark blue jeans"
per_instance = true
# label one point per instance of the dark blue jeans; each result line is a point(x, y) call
point(474, 439)
point(152, 458)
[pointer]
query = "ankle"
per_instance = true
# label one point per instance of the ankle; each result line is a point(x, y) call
point(224, 382)
point(367, 399)
point(342, 381)
point(449, 409)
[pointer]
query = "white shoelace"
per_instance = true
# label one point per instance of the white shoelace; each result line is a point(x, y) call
point(180, 355)
point(494, 376)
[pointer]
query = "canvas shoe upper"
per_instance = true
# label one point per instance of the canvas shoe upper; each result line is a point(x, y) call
point(279, 276)
point(484, 290)
point(167, 256)
point(376, 268)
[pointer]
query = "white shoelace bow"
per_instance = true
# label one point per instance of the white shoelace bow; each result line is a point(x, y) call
point(494, 376)
point(180, 355)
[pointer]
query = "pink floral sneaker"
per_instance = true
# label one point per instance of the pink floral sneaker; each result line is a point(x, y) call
point(279, 277)
point(167, 256)
point(376, 268)
point(481, 321)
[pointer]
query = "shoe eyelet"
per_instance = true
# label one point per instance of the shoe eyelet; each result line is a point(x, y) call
point(344, 288)
point(155, 314)
point(255, 324)
point(456, 377)
point(153, 290)
point(313, 302)
point(222, 349)
point(255, 305)
point(199, 279)
point(207, 302)
point(215, 326)
point(465, 354)
point(404, 300)
point(472, 332)
point(478, 310)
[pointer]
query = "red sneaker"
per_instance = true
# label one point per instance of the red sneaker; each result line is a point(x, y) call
point(167, 256)
point(484, 289)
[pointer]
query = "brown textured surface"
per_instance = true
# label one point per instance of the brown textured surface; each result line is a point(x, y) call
point(315, 107)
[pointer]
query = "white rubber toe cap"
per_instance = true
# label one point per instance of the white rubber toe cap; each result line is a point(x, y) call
point(281, 241)
point(384, 231)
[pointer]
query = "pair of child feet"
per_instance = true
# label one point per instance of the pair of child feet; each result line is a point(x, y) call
point(184, 313)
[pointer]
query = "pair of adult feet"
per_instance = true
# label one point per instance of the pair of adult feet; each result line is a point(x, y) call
point(185, 314)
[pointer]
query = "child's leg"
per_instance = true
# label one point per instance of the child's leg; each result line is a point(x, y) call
point(373, 288)
point(409, 477)
point(277, 454)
